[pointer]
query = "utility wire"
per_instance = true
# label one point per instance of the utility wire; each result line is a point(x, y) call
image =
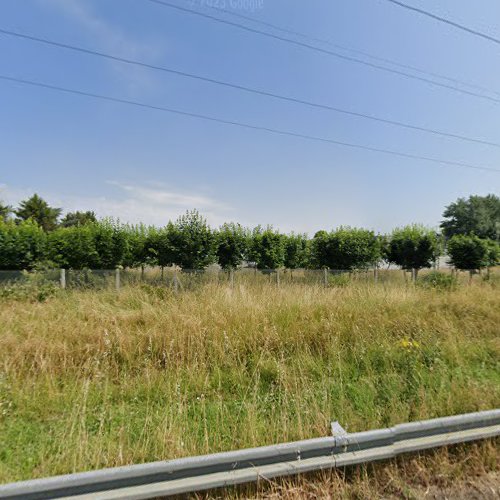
point(348, 49)
point(446, 21)
point(247, 125)
point(247, 89)
point(320, 50)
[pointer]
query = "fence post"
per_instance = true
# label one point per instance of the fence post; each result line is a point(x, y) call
point(414, 275)
point(62, 278)
point(117, 279)
point(176, 284)
point(325, 277)
point(231, 277)
point(375, 274)
point(278, 277)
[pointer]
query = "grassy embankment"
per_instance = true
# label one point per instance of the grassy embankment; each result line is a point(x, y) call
point(98, 379)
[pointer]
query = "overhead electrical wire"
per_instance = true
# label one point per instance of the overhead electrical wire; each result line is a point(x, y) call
point(247, 126)
point(446, 21)
point(347, 49)
point(245, 88)
point(321, 50)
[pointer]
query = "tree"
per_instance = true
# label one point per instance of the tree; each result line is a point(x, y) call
point(493, 253)
point(319, 250)
point(139, 251)
point(267, 248)
point(22, 246)
point(469, 252)
point(232, 245)
point(78, 219)
point(412, 247)
point(73, 247)
point(161, 245)
point(479, 215)
point(38, 210)
point(111, 242)
point(346, 248)
point(296, 251)
point(193, 241)
point(5, 211)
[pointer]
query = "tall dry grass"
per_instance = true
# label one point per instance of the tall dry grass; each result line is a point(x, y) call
point(97, 379)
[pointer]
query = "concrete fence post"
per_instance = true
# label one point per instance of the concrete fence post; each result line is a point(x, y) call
point(62, 278)
point(414, 275)
point(117, 279)
point(176, 283)
point(375, 274)
point(325, 277)
point(231, 277)
point(278, 277)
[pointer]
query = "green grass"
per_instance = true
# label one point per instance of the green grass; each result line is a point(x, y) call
point(98, 379)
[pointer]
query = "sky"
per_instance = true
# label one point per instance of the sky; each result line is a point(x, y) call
point(140, 164)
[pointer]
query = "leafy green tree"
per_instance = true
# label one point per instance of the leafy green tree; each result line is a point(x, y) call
point(136, 236)
point(296, 251)
point(346, 248)
point(38, 210)
point(493, 253)
point(319, 257)
point(384, 241)
point(5, 211)
point(78, 219)
point(412, 247)
point(73, 247)
point(468, 252)
point(193, 241)
point(161, 245)
point(22, 246)
point(479, 215)
point(267, 248)
point(139, 252)
point(232, 245)
point(111, 243)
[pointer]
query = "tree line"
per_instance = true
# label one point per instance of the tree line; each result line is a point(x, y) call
point(34, 235)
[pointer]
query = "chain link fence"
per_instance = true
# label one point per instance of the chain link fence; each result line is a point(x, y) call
point(189, 279)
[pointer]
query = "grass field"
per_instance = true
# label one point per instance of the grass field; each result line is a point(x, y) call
point(92, 379)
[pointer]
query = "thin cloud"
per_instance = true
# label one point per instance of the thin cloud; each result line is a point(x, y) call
point(167, 197)
point(132, 204)
point(110, 38)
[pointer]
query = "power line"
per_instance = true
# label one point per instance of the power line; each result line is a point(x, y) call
point(348, 49)
point(244, 88)
point(446, 21)
point(246, 125)
point(321, 50)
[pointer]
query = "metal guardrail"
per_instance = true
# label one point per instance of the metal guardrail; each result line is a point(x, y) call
point(232, 468)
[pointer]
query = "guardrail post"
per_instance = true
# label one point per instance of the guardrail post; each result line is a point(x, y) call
point(62, 279)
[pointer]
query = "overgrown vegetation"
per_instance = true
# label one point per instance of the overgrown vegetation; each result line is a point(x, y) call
point(79, 241)
point(438, 281)
point(97, 379)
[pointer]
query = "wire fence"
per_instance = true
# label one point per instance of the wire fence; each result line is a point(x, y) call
point(188, 279)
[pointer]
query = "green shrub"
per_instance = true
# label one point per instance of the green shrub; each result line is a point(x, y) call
point(338, 280)
point(33, 287)
point(438, 281)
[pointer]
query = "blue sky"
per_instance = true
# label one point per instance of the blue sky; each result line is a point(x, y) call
point(145, 165)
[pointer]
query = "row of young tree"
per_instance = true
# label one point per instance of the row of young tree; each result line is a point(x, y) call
point(79, 241)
